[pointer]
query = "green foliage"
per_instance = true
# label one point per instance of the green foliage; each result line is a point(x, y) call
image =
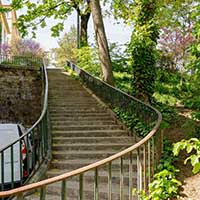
point(88, 60)
point(133, 123)
point(121, 66)
point(123, 81)
point(38, 12)
point(165, 99)
point(164, 185)
point(143, 49)
point(192, 147)
point(169, 114)
point(167, 87)
point(66, 49)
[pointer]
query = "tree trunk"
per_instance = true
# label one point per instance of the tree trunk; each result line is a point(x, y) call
point(104, 55)
point(84, 24)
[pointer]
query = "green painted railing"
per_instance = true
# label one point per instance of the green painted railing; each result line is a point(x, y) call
point(20, 60)
point(33, 145)
point(139, 160)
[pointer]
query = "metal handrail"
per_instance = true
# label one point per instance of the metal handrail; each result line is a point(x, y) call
point(147, 149)
point(35, 140)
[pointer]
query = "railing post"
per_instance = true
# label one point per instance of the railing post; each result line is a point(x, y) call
point(63, 190)
point(130, 175)
point(81, 187)
point(2, 170)
point(110, 181)
point(139, 172)
point(144, 168)
point(20, 196)
point(42, 193)
point(121, 178)
point(96, 185)
point(12, 166)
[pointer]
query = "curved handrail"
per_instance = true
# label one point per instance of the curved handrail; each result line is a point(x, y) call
point(39, 130)
point(147, 144)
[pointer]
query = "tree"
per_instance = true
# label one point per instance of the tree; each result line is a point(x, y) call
point(67, 45)
point(143, 49)
point(37, 13)
point(26, 47)
point(142, 14)
point(22, 47)
point(176, 37)
point(174, 45)
point(104, 55)
point(5, 49)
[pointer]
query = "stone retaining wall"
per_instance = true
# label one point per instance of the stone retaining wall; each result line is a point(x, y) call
point(20, 94)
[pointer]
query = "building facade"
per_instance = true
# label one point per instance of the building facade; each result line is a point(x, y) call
point(8, 30)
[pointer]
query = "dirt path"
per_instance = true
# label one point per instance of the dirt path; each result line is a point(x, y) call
point(191, 188)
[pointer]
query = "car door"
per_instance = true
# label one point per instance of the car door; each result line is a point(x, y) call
point(9, 134)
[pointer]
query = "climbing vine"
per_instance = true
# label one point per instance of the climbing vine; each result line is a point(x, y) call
point(143, 49)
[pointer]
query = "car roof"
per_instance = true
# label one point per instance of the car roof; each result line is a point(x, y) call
point(8, 134)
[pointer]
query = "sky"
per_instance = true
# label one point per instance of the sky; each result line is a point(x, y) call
point(115, 32)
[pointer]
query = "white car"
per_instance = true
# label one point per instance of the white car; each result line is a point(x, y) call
point(9, 133)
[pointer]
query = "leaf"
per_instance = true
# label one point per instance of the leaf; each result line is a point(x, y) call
point(196, 168)
point(176, 148)
point(189, 148)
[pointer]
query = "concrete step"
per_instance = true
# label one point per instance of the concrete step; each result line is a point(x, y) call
point(76, 123)
point(76, 111)
point(80, 108)
point(56, 118)
point(72, 155)
point(86, 154)
point(91, 146)
point(75, 164)
point(86, 127)
point(79, 115)
point(90, 133)
point(77, 140)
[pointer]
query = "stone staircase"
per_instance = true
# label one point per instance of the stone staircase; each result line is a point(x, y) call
point(84, 131)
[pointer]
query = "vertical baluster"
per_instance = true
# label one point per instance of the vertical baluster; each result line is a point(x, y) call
point(144, 167)
point(46, 134)
point(110, 181)
point(2, 170)
point(64, 190)
point(130, 175)
point(153, 156)
point(42, 137)
point(27, 154)
point(42, 193)
point(139, 172)
point(41, 142)
point(12, 166)
point(121, 178)
point(96, 185)
point(33, 148)
point(20, 162)
point(149, 161)
point(38, 149)
point(81, 187)
point(20, 196)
